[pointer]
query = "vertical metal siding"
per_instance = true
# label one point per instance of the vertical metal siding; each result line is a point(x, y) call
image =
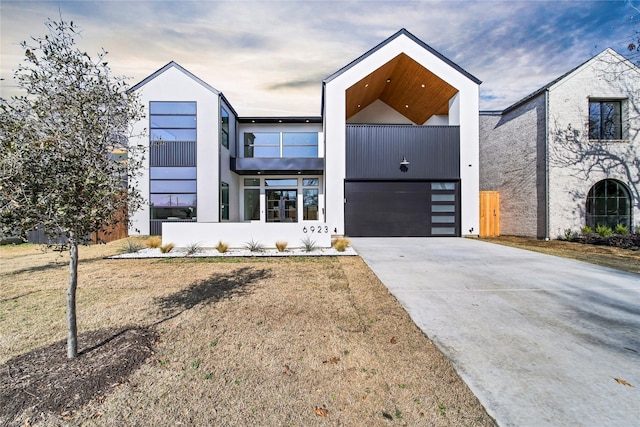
point(173, 153)
point(375, 152)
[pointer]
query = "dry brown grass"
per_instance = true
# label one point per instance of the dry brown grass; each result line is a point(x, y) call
point(242, 341)
point(606, 256)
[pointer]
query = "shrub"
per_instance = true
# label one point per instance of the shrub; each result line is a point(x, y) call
point(193, 248)
point(165, 249)
point(254, 246)
point(586, 230)
point(340, 244)
point(637, 229)
point(153, 242)
point(603, 231)
point(130, 246)
point(281, 245)
point(308, 244)
point(569, 235)
point(222, 247)
point(621, 229)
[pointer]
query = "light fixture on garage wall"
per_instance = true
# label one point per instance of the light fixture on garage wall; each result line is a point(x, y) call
point(404, 164)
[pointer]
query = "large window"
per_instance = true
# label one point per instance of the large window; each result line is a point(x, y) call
point(310, 199)
point(252, 199)
point(224, 201)
point(224, 128)
point(172, 193)
point(172, 121)
point(605, 120)
point(280, 144)
point(608, 203)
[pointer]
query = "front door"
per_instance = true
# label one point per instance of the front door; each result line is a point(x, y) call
point(282, 206)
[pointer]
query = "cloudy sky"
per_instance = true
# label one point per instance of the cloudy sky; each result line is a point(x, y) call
point(269, 57)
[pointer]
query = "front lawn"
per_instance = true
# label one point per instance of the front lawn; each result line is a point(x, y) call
point(234, 341)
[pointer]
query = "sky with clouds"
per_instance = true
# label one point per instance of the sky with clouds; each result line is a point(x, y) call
point(269, 57)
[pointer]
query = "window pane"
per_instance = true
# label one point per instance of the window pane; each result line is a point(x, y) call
point(443, 230)
point(156, 107)
point(172, 199)
point(310, 182)
point(443, 219)
point(173, 134)
point(594, 120)
point(184, 122)
point(443, 208)
point(443, 186)
point(262, 151)
point(224, 127)
point(173, 213)
point(281, 182)
point(443, 197)
point(172, 173)
point(310, 203)
point(300, 151)
point(172, 186)
point(252, 182)
point(300, 138)
point(261, 144)
point(252, 205)
point(224, 201)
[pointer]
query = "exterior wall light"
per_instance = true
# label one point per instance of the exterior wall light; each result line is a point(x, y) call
point(404, 164)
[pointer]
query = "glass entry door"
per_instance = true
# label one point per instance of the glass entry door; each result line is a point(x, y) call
point(281, 205)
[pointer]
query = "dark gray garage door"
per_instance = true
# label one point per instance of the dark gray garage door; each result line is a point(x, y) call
point(402, 208)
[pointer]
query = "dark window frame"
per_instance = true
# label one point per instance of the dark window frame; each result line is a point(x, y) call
point(605, 119)
point(608, 203)
point(224, 128)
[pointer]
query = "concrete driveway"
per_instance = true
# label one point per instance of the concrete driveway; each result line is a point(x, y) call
point(538, 339)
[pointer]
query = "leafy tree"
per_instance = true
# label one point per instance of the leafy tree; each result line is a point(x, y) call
point(59, 167)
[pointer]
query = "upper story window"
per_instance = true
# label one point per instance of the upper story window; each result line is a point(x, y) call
point(605, 120)
point(224, 128)
point(280, 144)
point(172, 121)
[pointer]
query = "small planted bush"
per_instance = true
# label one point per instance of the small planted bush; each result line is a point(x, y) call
point(603, 231)
point(130, 246)
point(586, 230)
point(281, 246)
point(165, 249)
point(153, 242)
point(193, 248)
point(569, 235)
point(308, 245)
point(254, 246)
point(621, 229)
point(340, 244)
point(222, 247)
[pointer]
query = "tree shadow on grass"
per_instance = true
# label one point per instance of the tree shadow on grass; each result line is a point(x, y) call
point(212, 289)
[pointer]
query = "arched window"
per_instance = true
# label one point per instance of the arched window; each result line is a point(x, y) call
point(608, 203)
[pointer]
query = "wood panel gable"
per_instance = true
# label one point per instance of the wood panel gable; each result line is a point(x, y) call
point(404, 85)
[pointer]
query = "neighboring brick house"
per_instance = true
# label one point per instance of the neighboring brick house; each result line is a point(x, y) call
point(567, 155)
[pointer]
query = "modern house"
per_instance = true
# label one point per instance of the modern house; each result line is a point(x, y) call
point(394, 153)
point(568, 154)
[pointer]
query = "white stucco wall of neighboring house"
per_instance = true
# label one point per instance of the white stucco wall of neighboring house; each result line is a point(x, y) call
point(571, 175)
point(463, 112)
point(175, 85)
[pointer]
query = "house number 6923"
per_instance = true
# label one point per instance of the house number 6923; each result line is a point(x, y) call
point(318, 230)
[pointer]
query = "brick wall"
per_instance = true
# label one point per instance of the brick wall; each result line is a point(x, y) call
point(512, 162)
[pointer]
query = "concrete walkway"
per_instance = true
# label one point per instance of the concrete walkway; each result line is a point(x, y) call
point(538, 339)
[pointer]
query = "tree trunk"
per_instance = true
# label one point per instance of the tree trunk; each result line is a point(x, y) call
point(72, 327)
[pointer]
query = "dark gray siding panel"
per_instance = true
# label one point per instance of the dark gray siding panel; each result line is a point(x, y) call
point(173, 153)
point(375, 152)
point(251, 166)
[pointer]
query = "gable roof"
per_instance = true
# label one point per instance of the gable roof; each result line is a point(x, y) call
point(174, 64)
point(406, 33)
point(551, 84)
